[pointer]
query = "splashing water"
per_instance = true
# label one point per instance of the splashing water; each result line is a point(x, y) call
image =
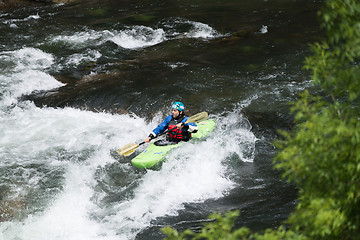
point(52, 156)
point(60, 177)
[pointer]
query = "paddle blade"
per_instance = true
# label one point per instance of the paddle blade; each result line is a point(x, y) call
point(128, 149)
point(198, 117)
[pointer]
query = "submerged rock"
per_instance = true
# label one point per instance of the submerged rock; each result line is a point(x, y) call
point(8, 207)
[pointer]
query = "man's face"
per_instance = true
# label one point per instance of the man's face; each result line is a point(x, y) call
point(175, 113)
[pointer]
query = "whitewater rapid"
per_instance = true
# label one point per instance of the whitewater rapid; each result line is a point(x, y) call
point(53, 160)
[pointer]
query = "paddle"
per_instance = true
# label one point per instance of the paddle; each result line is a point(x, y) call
point(129, 148)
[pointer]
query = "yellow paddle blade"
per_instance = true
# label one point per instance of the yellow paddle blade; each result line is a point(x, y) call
point(128, 149)
point(128, 153)
point(198, 117)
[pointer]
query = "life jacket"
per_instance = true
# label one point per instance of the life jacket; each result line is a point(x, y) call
point(175, 134)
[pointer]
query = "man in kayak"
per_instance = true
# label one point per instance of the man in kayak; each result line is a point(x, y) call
point(175, 124)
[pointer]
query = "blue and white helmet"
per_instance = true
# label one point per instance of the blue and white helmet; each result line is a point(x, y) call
point(178, 106)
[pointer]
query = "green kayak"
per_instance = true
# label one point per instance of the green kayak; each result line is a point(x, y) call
point(154, 154)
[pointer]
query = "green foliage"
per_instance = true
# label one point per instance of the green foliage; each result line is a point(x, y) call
point(321, 155)
point(221, 227)
point(279, 234)
point(333, 60)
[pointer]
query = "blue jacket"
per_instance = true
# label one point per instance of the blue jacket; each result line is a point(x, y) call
point(164, 125)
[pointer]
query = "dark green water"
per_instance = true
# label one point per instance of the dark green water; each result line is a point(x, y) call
point(80, 80)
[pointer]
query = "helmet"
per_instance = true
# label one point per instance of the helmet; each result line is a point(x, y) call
point(178, 106)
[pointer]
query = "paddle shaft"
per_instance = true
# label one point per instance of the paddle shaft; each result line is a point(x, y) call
point(160, 134)
point(129, 148)
point(169, 129)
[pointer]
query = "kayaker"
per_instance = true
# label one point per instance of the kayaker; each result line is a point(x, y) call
point(175, 124)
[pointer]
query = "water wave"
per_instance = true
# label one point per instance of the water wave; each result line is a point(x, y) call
point(75, 145)
point(59, 163)
point(133, 38)
point(76, 59)
point(182, 28)
point(24, 71)
point(137, 37)
point(12, 22)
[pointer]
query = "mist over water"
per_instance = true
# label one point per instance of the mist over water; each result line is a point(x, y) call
point(79, 81)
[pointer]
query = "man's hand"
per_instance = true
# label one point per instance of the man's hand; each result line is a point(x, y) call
point(149, 138)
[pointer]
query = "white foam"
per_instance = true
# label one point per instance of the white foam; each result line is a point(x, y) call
point(182, 28)
point(193, 173)
point(31, 58)
point(25, 74)
point(78, 58)
point(176, 65)
point(138, 37)
point(34, 135)
point(12, 22)
point(132, 38)
point(31, 80)
point(240, 140)
point(135, 37)
point(36, 16)
point(264, 29)
point(32, 130)
point(201, 30)
point(81, 39)
point(80, 143)
point(68, 217)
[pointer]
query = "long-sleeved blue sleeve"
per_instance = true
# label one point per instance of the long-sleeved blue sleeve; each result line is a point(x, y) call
point(162, 126)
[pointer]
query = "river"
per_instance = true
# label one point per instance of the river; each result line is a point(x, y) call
point(80, 80)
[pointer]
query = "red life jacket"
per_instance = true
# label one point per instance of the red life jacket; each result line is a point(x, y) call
point(175, 134)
